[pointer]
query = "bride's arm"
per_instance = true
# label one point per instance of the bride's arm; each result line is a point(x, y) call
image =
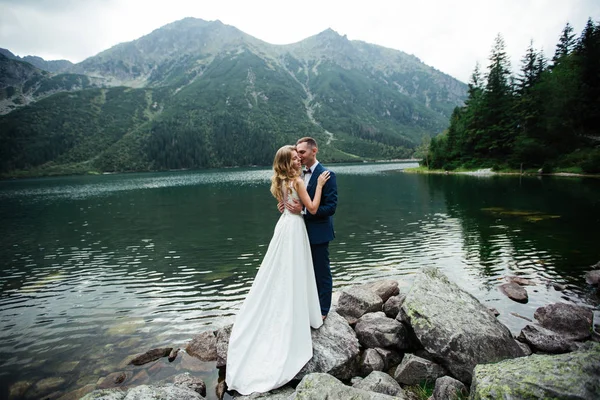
point(311, 205)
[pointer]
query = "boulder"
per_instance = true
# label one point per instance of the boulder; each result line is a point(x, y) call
point(377, 330)
point(380, 382)
point(203, 346)
point(454, 326)
point(319, 386)
point(357, 301)
point(447, 387)
point(282, 393)
point(191, 382)
point(593, 277)
point(414, 370)
point(151, 355)
point(222, 345)
point(390, 357)
point(371, 361)
point(514, 292)
point(163, 392)
point(335, 349)
point(391, 308)
point(384, 288)
point(570, 321)
point(546, 341)
point(573, 375)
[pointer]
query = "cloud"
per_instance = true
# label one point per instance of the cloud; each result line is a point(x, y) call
point(450, 36)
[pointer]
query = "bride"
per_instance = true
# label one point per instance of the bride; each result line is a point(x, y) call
point(270, 341)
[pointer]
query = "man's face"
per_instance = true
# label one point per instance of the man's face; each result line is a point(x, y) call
point(307, 154)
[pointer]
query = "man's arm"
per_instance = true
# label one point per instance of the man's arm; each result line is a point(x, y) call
point(328, 197)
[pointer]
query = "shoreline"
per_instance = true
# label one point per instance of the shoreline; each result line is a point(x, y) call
point(489, 172)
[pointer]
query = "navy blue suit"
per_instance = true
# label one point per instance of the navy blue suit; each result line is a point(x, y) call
point(320, 233)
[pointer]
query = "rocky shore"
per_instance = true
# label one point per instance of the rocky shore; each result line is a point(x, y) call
point(378, 343)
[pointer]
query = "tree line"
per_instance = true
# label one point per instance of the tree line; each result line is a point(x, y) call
point(547, 116)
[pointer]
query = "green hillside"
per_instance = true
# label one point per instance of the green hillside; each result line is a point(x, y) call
point(204, 94)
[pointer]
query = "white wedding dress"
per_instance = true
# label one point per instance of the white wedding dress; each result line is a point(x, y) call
point(270, 341)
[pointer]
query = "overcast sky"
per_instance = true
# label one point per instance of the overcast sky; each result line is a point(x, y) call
point(448, 35)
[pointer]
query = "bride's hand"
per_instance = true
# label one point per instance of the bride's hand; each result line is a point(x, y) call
point(324, 177)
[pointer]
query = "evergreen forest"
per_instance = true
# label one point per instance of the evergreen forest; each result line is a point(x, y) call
point(547, 116)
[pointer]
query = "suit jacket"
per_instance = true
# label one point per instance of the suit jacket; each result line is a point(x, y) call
point(320, 226)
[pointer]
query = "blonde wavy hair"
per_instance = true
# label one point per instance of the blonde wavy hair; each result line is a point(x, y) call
point(283, 171)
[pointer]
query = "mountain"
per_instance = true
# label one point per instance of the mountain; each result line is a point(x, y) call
point(54, 66)
point(197, 93)
point(22, 83)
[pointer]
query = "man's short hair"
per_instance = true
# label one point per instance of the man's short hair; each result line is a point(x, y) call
point(310, 142)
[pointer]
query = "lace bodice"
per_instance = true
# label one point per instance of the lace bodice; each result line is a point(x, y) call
point(289, 197)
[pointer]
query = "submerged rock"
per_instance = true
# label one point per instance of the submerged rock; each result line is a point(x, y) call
point(454, 326)
point(573, 375)
point(514, 292)
point(151, 355)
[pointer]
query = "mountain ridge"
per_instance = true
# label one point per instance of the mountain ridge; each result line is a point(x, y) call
point(201, 92)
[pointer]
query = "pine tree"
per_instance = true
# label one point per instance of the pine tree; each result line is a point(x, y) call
point(498, 106)
point(566, 44)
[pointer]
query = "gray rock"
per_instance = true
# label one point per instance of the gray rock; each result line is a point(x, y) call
point(377, 330)
point(384, 288)
point(357, 301)
point(546, 341)
point(282, 393)
point(151, 355)
point(514, 292)
point(356, 380)
point(454, 326)
point(447, 387)
point(319, 386)
point(222, 345)
point(414, 370)
point(390, 357)
point(525, 347)
point(571, 321)
point(191, 382)
point(203, 346)
point(520, 280)
point(593, 277)
point(144, 392)
point(573, 375)
point(391, 308)
point(371, 361)
point(380, 382)
point(105, 394)
point(335, 349)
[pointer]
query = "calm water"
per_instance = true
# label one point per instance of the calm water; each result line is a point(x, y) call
point(96, 268)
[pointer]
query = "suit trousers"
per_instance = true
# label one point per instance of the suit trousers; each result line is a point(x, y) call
point(320, 256)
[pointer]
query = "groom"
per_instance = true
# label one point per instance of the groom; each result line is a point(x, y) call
point(319, 226)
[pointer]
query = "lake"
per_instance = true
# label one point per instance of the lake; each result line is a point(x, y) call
point(96, 268)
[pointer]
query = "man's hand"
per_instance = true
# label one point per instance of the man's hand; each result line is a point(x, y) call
point(280, 206)
point(295, 207)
